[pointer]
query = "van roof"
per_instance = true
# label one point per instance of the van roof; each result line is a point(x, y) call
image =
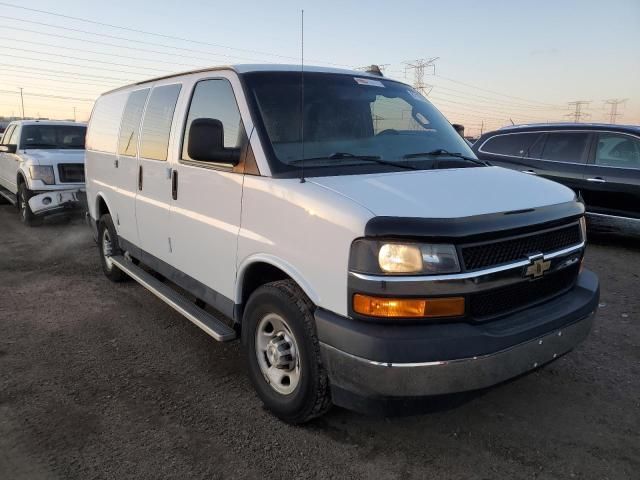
point(49, 122)
point(258, 67)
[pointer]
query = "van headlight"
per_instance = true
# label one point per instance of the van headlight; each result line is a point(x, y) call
point(43, 173)
point(391, 257)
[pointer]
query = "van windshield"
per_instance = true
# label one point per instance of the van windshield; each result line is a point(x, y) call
point(53, 136)
point(351, 124)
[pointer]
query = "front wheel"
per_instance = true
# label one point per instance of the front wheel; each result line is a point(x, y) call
point(108, 246)
point(283, 353)
point(26, 214)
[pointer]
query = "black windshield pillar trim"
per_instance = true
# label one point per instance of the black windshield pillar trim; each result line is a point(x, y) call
point(492, 224)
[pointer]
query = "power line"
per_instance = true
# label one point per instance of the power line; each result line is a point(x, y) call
point(72, 65)
point(93, 52)
point(125, 39)
point(96, 42)
point(613, 112)
point(87, 60)
point(53, 74)
point(492, 91)
point(160, 35)
point(44, 95)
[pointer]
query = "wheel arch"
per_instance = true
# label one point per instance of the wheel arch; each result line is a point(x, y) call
point(101, 206)
point(260, 269)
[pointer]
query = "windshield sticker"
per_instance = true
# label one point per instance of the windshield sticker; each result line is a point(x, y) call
point(368, 81)
point(417, 95)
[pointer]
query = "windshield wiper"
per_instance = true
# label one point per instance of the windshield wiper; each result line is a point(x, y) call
point(366, 158)
point(441, 152)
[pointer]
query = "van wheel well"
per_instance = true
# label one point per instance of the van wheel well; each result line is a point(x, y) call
point(259, 274)
point(101, 208)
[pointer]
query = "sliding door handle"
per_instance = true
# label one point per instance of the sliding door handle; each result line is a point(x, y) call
point(596, 180)
point(140, 177)
point(174, 184)
point(529, 172)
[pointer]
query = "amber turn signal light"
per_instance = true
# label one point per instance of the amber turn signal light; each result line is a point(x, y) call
point(408, 307)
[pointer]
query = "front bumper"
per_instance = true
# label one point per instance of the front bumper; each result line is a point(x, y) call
point(425, 360)
point(58, 201)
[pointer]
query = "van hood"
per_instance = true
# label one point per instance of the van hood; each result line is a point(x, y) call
point(451, 193)
point(52, 156)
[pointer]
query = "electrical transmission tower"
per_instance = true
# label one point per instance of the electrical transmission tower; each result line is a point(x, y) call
point(419, 66)
point(578, 112)
point(613, 112)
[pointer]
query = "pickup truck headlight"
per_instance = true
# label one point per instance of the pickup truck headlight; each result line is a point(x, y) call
point(43, 173)
point(391, 257)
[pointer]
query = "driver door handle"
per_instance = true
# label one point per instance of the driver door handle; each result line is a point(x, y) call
point(596, 180)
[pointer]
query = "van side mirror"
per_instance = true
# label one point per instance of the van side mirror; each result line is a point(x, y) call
point(206, 142)
point(8, 148)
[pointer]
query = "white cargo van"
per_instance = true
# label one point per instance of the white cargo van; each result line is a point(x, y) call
point(341, 228)
point(42, 168)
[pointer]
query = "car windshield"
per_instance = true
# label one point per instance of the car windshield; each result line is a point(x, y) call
point(53, 136)
point(352, 125)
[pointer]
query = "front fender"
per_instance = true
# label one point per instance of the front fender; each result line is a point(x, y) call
point(277, 262)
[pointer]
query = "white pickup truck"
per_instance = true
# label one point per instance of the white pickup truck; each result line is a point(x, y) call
point(342, 229)
point(42, 167)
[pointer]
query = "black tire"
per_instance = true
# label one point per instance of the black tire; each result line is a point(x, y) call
point(107, 246)
point(311, 396)
point(27, 216)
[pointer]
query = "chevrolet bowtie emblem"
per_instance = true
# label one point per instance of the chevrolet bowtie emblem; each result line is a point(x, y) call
point(538, 266)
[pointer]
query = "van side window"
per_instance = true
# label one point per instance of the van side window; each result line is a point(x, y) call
point(7, 134)
point(614, 150)
point(102, 136)
point(156, 125)
point(565, 147)
point(215, 99)
point(513, 144)
point(128, 141)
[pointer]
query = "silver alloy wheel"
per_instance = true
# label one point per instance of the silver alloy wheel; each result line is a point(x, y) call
point(277, 354)
point(107, 248)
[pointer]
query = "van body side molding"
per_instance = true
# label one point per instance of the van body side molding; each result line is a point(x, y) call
point(475, 226)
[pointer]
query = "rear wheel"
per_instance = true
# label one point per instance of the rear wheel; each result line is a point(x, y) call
point(283, 353)
point(26, 214)
point(108, 246)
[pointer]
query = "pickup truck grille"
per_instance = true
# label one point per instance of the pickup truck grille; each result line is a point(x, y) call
point(501, 301)
point(71, 172)
point(498, 252)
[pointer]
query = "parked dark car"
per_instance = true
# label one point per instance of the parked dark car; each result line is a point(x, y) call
point(601, 162)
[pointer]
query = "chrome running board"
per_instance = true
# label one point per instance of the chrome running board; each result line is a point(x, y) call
point(207, 322)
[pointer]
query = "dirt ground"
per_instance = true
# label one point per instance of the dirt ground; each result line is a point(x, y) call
point(99, 380)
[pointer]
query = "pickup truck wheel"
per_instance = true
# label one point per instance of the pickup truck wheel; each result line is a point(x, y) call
point(283, 353)
point(108, 246)
point(26, 215)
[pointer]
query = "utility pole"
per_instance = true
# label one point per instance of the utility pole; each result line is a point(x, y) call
point(481, 127)
point(22, 101)
point(578, 112)
point(419, 66)
point(74, 114)
point(613, 112)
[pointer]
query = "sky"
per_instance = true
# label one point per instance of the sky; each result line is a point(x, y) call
point(497, 61)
